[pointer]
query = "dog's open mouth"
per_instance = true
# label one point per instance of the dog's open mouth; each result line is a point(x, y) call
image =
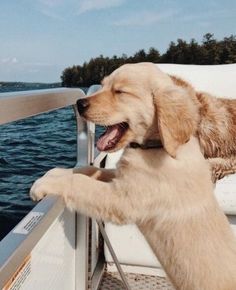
point(112, 136)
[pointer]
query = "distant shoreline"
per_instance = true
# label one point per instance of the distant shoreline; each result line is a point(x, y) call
point(26, 86)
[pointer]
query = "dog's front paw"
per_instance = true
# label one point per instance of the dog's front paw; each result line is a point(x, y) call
point(37, 192)
point(56, 184)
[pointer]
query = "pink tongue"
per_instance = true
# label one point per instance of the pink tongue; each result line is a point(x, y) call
point(109, 139)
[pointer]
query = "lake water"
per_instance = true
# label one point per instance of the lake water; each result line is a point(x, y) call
point(28, 148)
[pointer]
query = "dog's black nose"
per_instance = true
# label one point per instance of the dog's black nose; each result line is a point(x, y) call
point(82, 105)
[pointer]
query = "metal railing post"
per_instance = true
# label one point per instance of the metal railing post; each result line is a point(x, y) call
point(81, 221)
point(85, 133)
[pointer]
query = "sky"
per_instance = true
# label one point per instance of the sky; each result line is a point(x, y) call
point(39, 38)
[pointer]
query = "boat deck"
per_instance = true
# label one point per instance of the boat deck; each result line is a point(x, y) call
point(112, 281)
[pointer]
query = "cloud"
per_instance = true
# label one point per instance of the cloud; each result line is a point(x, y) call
point(9, 60)
point(51, 3)
point(209, 15)
point(53, 9)
point(59, 9)
point(89, 5)
point(51, 14)
point(24, 64)
point(145, 18)
point(37, 64)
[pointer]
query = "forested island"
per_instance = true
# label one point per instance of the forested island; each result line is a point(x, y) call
point(210, 51)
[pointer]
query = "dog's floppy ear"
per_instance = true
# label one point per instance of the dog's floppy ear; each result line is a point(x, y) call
point(177, 117)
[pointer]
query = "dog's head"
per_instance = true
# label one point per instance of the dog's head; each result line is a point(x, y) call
point(138, 102)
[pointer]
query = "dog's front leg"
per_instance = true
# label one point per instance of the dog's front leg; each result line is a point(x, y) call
point(102, 174)
point(92, 197)
point(222, 167)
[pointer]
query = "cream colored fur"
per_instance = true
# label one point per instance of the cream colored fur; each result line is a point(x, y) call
point(171, 201)
point(167, 193)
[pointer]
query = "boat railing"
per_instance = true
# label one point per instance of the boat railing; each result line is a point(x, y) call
point(15, 247)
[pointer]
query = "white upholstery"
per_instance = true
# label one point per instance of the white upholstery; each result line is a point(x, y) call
point(129, 244)
point(218, 80)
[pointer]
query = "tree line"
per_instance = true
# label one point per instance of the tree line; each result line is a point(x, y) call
point(209, 51)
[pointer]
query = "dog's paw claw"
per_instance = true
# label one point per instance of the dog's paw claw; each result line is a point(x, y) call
point(36, 191)
point(36, 196)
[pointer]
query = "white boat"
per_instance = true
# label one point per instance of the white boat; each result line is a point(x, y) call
point(55, 249)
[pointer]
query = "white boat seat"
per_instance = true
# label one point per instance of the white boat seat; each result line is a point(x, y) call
point(130, 246)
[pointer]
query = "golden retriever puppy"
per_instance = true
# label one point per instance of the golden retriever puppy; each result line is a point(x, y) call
point(163, 187)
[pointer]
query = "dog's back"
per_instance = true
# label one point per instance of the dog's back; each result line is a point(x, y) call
point(217, 127)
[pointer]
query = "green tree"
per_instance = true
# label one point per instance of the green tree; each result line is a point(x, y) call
point(139, 56)
point(212, 49)
point(153, 55)
point(209, 51)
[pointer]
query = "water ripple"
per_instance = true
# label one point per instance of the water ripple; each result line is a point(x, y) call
point(28, 148)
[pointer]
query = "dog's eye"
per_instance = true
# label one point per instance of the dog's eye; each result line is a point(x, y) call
point(118, 92)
